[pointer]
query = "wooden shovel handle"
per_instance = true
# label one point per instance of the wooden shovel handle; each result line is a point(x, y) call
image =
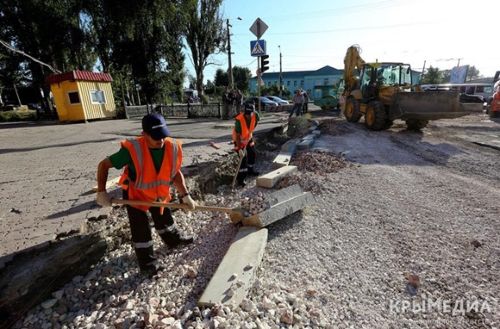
point(170, 205)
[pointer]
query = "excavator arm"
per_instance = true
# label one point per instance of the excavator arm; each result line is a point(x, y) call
point(352, 65)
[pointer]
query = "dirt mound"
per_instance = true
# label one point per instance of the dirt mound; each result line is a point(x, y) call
point(319, 162)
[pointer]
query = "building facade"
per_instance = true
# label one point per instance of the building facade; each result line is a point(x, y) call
point(313, 82)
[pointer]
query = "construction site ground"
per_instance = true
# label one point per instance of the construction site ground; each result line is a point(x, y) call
point(400, 219)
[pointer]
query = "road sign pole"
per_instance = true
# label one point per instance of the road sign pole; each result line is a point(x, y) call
point(258, 28)
point(259, 77)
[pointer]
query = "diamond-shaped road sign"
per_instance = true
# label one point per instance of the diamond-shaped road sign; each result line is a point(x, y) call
point(258, 28)
point(258, 48)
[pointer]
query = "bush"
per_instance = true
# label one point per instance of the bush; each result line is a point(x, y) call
point(24, 115)
point(298, 126)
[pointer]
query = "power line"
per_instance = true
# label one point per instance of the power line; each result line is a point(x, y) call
point(352, 28)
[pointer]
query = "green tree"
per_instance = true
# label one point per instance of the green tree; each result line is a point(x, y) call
point(445, 76)
point(205, 34)
point(146, 37)
point(52, 31)
point(432, 76)
point(472, 73)
point(241, 77)
point(221, 78)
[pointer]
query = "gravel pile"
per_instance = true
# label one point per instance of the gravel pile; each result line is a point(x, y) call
point(308, 181)
point(318, 162)
point(115, 295)
point(254, 203)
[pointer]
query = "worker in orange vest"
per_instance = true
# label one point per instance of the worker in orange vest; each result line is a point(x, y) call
point(151, 163)
point(244, 144)
point(495, 104)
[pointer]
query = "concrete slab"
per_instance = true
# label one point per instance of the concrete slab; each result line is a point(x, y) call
point(284, 194)
point(270, 179)
point(290, 146)
point(290, 201)
point(282, 160)
point(285, 156)
point(236, 273)
point(305, 144)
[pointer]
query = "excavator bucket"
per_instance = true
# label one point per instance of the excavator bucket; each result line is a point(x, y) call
point(427, 106)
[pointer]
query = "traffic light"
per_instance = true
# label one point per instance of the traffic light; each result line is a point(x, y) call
point(264, 63)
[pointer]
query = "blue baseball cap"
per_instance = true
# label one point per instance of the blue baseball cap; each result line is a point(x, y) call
point(154, 124)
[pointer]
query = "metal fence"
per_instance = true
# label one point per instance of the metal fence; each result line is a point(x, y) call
point(176, 110)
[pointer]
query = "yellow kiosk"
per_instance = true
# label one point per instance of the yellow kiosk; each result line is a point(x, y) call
point(82, 95)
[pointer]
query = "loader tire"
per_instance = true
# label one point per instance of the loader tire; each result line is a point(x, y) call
point(375, 116)
point(416, 125)
point(352, 112)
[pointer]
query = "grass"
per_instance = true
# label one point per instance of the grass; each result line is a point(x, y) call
point(23, 115)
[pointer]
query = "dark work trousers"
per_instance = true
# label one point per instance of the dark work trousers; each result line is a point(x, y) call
point(297, 109)
point(142, 241)
point(247, 164)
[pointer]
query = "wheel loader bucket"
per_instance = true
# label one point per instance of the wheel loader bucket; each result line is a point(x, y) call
point(427, 106)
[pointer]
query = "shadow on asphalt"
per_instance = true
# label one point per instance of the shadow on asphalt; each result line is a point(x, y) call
point(28, 149)
point(82, 207)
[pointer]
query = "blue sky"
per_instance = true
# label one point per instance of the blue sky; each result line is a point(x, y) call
point(316, 33)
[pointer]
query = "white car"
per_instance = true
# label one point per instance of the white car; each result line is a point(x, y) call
point(278, 100)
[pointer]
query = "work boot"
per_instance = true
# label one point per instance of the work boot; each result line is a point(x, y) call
point(240, 179)
point(151, 270)
point(253, 172)
point(147, 261)
point(173, 238)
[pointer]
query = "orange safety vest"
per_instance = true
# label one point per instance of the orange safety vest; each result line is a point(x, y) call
point(246, 132)
point(150, 185)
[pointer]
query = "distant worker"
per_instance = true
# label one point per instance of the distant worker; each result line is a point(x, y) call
point(244, 144)
point(305, 107)
point(152, 164)
point(298, 101)
point(495, 104)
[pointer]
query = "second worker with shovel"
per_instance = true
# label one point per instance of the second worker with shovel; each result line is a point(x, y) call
point(244, 144)
point(152, 164)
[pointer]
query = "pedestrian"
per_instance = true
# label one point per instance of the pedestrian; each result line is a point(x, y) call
point(305, 107)
point(244, 126)
point(495, 104)
point(298, 101)
point(151, 163)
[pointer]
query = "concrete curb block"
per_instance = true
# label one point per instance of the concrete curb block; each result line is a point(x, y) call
point(236, 273)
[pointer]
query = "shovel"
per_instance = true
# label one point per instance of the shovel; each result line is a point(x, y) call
point(236, 214)
point(238, 169)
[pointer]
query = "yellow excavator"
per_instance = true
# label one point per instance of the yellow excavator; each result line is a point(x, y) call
point(384, 92)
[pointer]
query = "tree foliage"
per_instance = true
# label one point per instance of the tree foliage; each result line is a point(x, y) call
point(205, 34)
point(138, 42)
point(221, 78)
point(472, 73)
point(432, 76)
point(241, 76)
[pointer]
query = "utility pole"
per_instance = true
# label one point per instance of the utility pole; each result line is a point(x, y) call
point(423, 71)
point(281, 76)
point(230, 69)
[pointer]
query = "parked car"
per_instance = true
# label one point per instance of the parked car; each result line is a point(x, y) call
point(278, 100)
point(265, 103)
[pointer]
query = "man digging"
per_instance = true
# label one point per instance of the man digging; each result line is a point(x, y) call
point(151, 163)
